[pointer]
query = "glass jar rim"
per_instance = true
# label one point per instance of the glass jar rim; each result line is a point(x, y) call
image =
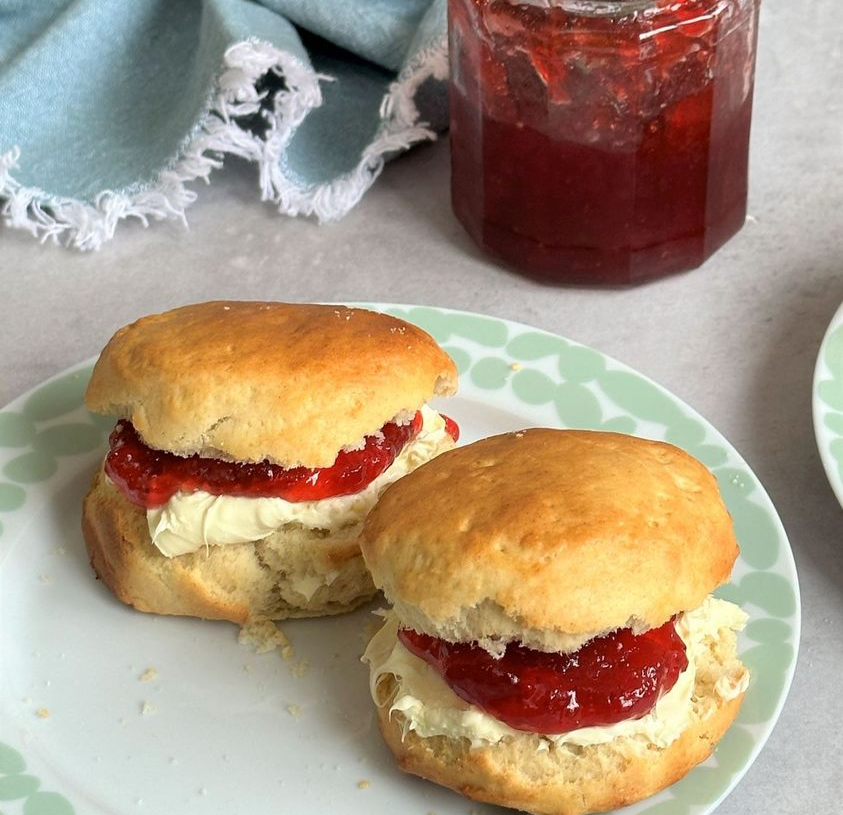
point(594, 8)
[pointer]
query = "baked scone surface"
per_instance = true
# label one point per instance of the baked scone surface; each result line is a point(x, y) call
point(254, 381)
point(294, 572)
point(546, 539)
point(438, 736)
point(564, 780)
point(549, 537)
point(277, 384)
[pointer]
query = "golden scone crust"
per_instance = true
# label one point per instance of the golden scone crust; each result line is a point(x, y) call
point(250, 381)
point(549, 537)
point(243, 583)
point(561, 780)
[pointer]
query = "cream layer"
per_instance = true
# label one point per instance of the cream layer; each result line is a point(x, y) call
point(429, 707)
point(191, 521)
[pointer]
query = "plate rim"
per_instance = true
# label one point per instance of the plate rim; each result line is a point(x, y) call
point(820, 409)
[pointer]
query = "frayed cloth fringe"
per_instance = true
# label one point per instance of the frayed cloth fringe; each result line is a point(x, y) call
point(220, 132)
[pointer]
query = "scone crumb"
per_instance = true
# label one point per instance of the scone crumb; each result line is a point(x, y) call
point(287, 652)
point(148, 675)
point(363, 785)
point(515, 366)
point(294, 710)
point(300, 668)
point(147, 709)
point(262, 637)
point(60, 550)
point(42, 713)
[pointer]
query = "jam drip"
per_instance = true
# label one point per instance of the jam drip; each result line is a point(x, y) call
point(451, 427)
point(609, 679)
point(149, 477)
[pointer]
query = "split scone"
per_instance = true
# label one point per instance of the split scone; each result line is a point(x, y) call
point(251, 441)
point(553, 644)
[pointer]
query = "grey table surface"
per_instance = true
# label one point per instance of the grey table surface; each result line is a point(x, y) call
point(736, 339)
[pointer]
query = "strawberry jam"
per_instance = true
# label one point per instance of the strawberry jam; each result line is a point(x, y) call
point(149, 477)
point(609, 679)
point(451, 428)
point(601, 141)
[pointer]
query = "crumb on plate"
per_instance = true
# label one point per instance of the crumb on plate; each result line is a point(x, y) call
point(300, 668)
point(263, 636)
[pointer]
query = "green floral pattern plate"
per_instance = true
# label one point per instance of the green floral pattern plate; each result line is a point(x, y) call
point(828, 403)
point(104, 710)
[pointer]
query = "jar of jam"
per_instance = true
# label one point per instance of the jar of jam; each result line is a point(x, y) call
point(601, 141)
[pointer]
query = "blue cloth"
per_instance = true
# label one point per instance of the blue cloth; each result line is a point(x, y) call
point(110, 108)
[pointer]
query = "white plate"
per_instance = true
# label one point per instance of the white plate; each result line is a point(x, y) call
point(828, 403)
point(212, 732)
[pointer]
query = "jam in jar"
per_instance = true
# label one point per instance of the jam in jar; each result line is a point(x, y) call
point(601, 141)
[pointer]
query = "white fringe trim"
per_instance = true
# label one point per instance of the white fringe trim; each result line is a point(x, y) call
point(400, 128)
point(87, 226)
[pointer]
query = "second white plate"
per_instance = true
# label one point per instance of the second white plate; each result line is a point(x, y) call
point(828, 403)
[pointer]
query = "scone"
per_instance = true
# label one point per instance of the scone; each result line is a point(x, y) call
point(251, 441)
point(553, 644)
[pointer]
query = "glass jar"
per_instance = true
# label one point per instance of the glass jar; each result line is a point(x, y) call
point(601, 141)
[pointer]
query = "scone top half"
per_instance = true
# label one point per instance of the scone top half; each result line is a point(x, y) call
point(549, 538)
point(249, 381)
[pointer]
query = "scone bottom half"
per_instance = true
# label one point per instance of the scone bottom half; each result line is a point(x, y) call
point(564, 579)
point(251, 441)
